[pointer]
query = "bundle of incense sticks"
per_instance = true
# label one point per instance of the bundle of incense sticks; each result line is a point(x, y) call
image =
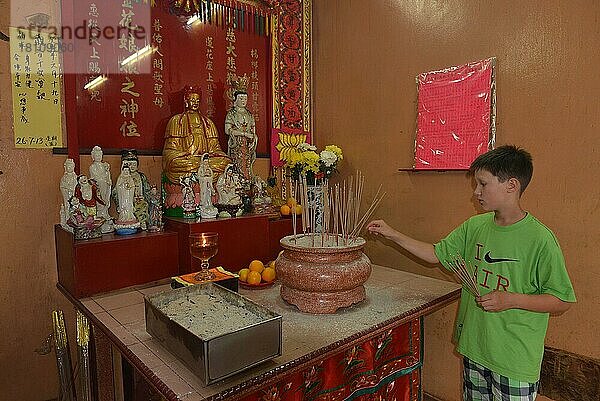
point(340, 215)
point(466, 277)
point(63, 357)
point(83, 358)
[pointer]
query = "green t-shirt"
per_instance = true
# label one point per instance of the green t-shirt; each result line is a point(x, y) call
point(523, 258)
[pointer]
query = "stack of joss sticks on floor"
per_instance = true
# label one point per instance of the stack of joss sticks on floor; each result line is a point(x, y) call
point(464, 274)
point(340, 218)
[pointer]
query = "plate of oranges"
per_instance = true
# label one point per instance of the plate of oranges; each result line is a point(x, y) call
point(257, 275)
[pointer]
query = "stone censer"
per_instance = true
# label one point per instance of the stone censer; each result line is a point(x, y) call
point(321, 273)
point(324, 268)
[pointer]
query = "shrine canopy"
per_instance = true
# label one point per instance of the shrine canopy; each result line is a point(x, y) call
point(127, 87)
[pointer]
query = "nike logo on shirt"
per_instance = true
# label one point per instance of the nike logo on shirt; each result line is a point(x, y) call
point(489, 259)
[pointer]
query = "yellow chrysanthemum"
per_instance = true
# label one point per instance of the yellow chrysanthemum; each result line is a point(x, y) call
point(336, 150)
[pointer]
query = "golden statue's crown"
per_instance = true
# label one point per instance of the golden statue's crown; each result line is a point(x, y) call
point(240, 84)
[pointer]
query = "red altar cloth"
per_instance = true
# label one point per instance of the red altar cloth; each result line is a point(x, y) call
point(384, 368)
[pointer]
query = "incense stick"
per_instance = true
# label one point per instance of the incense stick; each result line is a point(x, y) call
point(367, 215)
point(459, 267)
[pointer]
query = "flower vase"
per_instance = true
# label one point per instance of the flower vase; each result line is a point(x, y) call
point(315, 202)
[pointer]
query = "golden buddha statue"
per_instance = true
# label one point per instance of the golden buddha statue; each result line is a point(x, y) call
point(187, 137)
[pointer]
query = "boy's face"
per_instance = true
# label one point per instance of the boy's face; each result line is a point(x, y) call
point(489, 191)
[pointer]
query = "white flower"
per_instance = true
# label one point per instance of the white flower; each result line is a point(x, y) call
point(328, 158)
point(303, 147)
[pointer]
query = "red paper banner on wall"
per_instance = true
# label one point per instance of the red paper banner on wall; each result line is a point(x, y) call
point(456, 116)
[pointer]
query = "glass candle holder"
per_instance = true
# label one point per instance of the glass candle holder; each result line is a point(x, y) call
point(204, 246)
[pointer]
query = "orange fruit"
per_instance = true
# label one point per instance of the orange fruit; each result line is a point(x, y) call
point(298, 209)
point(268, 274)
point(271, 264)
point(256, 266)
point(244, 274)
point(254, 278)
point(285, 210)
point(291, 202)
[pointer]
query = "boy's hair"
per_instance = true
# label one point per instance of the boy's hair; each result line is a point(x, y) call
point(506, 162)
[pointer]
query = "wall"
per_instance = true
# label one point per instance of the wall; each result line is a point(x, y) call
point(366, 57)
point(28, 201)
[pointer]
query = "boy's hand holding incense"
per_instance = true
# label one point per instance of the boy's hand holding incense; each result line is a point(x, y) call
point(495, 301)
point(380, 227)
point(498, 301)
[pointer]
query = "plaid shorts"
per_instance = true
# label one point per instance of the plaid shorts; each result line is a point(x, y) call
point(481, 384)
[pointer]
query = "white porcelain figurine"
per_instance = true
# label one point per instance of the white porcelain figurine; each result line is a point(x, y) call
point(240, 127)
point(205, 179)
point(67, 190)
point(127, 222)
point(100, 174)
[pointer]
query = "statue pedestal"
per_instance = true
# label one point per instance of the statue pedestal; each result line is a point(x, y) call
point(88, 267)
point(241, 239)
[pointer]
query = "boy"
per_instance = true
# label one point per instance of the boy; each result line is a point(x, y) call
point(520, 272)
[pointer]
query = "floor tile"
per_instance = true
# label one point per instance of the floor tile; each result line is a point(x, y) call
point(155, 290)
point(91, 305)
point(146, 355)
point(110, 302)
point(138, 329)
point(160, 351)
point(125, 336)
point(108, 320)
point(129, 314)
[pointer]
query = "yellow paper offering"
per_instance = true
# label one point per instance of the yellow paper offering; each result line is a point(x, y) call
point(36, 89)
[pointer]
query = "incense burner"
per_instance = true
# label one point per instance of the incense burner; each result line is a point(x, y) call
point(321, 273)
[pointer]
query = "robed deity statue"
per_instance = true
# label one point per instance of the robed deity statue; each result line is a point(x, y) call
point(124, 191)
point(67, 189)
point(240, 128)
point(129, 159)
point(187, 137)
point(126, 194)
point(155, 211)
point(87, 193)
point(205, 180)
point(228, 187)
point(83, 209)
point(100, 174)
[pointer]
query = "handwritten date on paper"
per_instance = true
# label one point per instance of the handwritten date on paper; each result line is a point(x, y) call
point(37, 141)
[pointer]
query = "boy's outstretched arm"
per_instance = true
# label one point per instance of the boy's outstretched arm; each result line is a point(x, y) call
point(420, 249)
point(497, 301)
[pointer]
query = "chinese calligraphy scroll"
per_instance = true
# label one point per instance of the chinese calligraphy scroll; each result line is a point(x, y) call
point(36, 89)
point(130, 108)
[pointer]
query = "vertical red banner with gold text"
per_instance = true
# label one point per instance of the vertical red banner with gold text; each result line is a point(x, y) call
point(130, 109)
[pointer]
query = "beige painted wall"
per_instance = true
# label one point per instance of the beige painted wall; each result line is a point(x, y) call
point(366, 57)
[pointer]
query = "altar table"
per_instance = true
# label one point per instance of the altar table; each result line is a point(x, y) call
point(372, 350)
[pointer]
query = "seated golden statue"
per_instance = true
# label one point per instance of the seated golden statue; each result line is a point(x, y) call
point(187, 137)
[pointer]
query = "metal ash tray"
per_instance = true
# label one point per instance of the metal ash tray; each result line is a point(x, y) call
point(214, 331)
